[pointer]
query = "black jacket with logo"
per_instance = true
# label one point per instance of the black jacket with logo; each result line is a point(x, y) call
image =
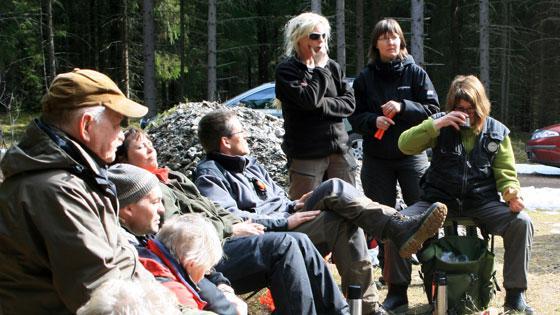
point(314, 104)
point(402, 81)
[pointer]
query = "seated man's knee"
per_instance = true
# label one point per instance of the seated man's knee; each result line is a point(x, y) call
point(280, 243)
point(302, 239)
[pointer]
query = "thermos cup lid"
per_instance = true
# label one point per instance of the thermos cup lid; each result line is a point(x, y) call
point(354, 292)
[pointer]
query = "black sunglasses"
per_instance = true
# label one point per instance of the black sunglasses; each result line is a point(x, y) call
point(316, 36)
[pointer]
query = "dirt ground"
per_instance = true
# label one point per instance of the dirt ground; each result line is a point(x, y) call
point(544, 273)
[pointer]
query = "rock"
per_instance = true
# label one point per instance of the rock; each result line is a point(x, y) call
point(174, 134)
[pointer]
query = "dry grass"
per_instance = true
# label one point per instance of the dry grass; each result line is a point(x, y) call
point(544, 273)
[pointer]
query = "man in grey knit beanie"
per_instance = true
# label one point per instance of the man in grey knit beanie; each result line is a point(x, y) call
point(139, 197)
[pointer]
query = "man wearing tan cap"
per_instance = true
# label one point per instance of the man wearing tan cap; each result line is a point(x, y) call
point(59, 225)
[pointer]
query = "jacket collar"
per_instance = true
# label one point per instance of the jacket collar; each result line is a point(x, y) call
point(232, 163)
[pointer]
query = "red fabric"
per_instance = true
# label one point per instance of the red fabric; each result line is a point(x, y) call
point(183, 294)
point(266, 300)
point(162, 174)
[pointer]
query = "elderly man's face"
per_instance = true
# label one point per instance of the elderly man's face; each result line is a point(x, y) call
point(105, 135)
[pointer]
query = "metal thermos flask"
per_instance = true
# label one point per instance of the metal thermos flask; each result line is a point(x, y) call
point(354, 297)
point(441, 295)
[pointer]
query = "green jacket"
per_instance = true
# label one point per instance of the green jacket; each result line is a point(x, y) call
point(180, 195)
point(59, 234)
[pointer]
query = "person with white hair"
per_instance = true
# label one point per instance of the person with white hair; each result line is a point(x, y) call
point(184, 250)
point(315, 100)
point(131, 297)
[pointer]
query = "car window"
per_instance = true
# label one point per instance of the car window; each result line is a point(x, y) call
point(260, 100)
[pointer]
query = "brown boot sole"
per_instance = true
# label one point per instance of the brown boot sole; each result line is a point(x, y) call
point(427, 229)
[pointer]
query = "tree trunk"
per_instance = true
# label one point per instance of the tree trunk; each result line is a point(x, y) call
point(505, 63)
point(316, 6)
point(340, 35)
point(96, 33)
point(182, 49)
point(212, 79)
point(375, 13)
point(50, 36)
point(484, 21)
point(264, 55)
point(46, 79)
point(150, 91)
point(125, 57)
point(359, 36)
point(455, 36)
point(417, 42)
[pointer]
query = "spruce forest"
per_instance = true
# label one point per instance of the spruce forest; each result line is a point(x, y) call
point(162, 52)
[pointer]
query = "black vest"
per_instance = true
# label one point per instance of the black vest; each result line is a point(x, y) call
point(463, 181)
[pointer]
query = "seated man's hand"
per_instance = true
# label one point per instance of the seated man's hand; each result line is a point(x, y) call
point(301, 201)
point(516, 204)
point(247, 228)
point(301, 217)
point(239, 304)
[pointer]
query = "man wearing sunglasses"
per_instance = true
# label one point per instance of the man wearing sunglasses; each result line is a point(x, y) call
point(315, 100)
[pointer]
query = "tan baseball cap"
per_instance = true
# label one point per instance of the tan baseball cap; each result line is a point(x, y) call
point(83, 88)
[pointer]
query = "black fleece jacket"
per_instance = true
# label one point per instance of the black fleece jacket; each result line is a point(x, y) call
point(314, 104)
point(402, 81)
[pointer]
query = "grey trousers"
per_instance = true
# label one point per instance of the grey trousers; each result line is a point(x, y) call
point(340, 229)
point(516, 230)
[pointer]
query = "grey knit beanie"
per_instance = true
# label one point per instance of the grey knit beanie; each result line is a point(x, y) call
point(132, 182)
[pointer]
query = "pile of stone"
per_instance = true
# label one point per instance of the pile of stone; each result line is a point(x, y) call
point(174, 134)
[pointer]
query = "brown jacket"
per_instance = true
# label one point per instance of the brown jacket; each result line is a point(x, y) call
point(59, 230)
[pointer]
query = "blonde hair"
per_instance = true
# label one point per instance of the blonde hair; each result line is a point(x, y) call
point(469, 89)
point(383, 27)
point(131, 297)
point(192, 237)
point(301, 26)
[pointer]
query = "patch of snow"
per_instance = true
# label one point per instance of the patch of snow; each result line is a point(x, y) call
point(537, 169)
point(541, 198)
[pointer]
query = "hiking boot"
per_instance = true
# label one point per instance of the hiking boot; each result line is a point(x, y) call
point(515, 302)
point(396, 300)
point(408, 233)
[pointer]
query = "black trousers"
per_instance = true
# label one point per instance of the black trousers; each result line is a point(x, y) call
point(290, 266)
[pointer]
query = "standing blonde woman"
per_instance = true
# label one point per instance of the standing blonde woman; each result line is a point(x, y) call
point(315, 100)
point(472, 164)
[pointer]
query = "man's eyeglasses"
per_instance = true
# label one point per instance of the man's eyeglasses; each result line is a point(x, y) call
point(469, 110)
point(316, 36)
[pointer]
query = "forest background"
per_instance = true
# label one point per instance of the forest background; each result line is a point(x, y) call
point(162, 52)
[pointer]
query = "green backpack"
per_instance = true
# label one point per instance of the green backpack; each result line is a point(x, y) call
point(467, 264)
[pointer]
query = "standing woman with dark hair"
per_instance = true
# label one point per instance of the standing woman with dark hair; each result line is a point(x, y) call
point(392, 94)
point(315, 100)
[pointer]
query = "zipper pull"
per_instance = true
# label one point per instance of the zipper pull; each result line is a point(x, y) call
point(469, 164)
